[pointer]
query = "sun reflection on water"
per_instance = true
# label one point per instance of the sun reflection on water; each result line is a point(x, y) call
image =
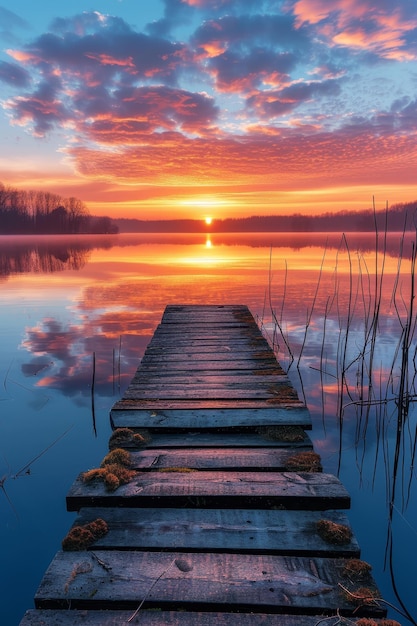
point(52, 322)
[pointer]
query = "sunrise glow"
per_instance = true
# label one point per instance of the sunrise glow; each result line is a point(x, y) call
point(205, 109)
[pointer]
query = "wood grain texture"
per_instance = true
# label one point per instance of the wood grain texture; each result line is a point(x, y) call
point(209, 418)
point(122, 579)
point(218, 530)
point(289, 490)
point(181, 439)
point(201, 404)
point(241, 459)
point(280, 393)
point(170, 618)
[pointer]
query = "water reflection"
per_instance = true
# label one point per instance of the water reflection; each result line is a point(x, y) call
point(103, 308)
point(355, 354)
point(21, 255)
point(26, 254)
point(63, 355)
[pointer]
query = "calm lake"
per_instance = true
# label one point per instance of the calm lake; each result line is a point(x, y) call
point(342, 321)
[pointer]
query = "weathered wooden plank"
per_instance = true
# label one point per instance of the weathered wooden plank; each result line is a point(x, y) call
point(235, 307)
point(176, 343)
point(235, 328)
point(156, 404)
point(243, 377)
point(184, 309)
point(202, 317)
point(197, 581)
point(211, 489)
point(239, 343)
point(197, 325)
point(209, 318)
point(221, 391)
point(200, 439)
point(195, 310)
point(209, 352)
point(201, 309)
point(250, 361)
point(194, 383)
point(39, 617)
point(203, 418)
point(187, 373)
point(206, 312)
point(280, 393)
point(191, 365)
point(222, 387)
point(221, 530)
point(197, 316)
point(211, 376)
point(198, 391)
point(215, 371)
point(187, 308)
point(242, 459)
point(209, 337)
point(208, 334)
point(226, 330)
point(211, 321)
point(214, 318)
point(251, 356)
point(180, 307)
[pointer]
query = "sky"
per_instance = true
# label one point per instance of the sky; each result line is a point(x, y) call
point(223, 108)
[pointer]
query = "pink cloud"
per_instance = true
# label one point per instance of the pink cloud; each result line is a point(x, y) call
point(274, 103)
point(302, 157)
point(21, 55)
point(247, 98)
point(211, 4)
point(135, 112)
point(368, 25)
point(41, 113)
point(244, 73)
point(106, 59)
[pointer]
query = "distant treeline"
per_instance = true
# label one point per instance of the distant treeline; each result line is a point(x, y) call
point(397, 218)
point(41, 212)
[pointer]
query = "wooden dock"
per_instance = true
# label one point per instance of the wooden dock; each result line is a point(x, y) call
point(224, 516)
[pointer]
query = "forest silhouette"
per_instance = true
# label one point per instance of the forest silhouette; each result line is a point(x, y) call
point(24, 212)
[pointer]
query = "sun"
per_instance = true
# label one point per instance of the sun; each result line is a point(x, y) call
point(208, 220)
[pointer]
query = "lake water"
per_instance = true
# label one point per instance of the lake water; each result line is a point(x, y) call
point(347, 340)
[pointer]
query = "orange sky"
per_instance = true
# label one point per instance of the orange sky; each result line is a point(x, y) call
point(192, 108)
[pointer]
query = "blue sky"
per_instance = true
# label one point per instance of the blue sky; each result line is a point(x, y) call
point(170, 108)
